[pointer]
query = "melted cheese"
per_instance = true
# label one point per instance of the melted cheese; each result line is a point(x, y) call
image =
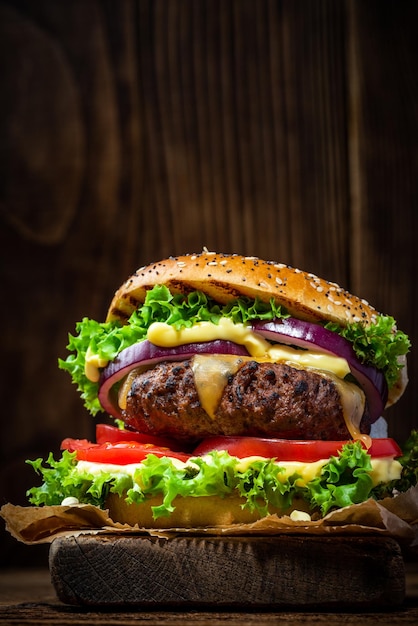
point(92, 364)
point(211, 375)
point(353, 402)
point(384, 470)
point(166, 336)
point(126, 387)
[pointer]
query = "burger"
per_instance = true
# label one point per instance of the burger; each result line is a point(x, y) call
point(233, 389)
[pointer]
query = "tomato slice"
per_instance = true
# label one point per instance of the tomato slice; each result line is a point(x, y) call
point(120, 453)
point(137, 446)
point(290, 450)
point(106, 433)
point(75, 444)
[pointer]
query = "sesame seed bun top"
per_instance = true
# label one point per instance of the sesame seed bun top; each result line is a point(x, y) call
point(228, 276)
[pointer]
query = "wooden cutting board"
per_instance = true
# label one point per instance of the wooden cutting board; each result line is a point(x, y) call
point(186, 571)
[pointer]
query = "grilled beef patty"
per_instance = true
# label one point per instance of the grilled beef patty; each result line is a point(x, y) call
point(260, 399)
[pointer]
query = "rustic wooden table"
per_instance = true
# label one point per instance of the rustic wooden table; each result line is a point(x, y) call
point(28, 597)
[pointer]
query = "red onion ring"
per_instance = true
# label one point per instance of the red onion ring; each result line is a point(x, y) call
point(292, 331)
point(147, 353)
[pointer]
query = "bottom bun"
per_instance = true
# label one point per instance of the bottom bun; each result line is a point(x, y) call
point(192, 512)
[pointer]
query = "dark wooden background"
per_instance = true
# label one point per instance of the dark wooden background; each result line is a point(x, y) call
point(131, 130)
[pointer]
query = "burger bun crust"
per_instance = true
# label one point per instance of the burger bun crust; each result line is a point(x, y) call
point(225, 277)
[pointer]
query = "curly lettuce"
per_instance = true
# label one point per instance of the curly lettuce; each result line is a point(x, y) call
point(342, 481)
point(378, 344)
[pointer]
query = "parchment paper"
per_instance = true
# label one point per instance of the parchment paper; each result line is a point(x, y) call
point(396, 517)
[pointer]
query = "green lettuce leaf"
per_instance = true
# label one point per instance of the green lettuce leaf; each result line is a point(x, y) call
point(61, 479)
point(262, 486)
point(343, 481)
point(377, 344)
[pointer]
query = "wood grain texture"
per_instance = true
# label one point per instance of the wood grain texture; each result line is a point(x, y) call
point(134, 130)
point(245, 572)
point(28, 597)
point(383, 127)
